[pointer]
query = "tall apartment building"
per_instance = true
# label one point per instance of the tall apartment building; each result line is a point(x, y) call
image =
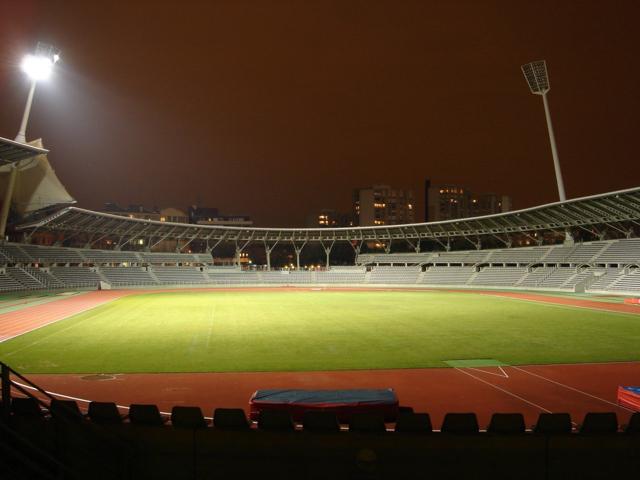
point(383, 205)
point(448, 202)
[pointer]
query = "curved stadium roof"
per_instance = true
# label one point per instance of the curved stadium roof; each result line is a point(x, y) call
point(604, 209)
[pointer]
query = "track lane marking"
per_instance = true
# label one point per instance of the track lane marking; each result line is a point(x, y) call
point(503, 390)
point(574, 389)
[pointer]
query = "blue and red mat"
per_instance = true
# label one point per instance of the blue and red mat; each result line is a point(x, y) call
point(629, 397)
point(344, 403)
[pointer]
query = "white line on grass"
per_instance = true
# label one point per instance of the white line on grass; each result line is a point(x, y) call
point(502, 375)
point(574, 389)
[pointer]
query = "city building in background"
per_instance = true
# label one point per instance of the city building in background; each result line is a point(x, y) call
point(448, 202)
point(211, 216)
point(328, 217)
point(133, 211)
point(383, 205)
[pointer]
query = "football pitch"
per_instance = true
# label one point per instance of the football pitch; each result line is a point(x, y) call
point(235, 331)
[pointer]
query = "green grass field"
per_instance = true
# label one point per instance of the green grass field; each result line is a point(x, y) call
point(324, 330)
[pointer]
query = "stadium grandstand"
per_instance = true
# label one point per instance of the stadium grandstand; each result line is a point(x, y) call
point(586, 246)
point(607, 261)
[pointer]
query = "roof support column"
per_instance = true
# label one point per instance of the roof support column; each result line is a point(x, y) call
point(267, 250)
point(415, 246)
point(327, 251)
point(298, 250)
point(357, 246)
point(218, 242)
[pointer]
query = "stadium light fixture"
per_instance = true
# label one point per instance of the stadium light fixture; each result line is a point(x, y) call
point(38, 67)
point(536, 75)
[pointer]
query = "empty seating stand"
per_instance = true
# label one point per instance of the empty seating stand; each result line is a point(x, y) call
point(148, 443)
point(394, 275)
point(127, 276)
point(179, 275)
point(603, 266)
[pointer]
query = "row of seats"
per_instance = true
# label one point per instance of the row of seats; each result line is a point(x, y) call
point(620, 252)
point(566, 278)
point(27, 253)
point(408, 421)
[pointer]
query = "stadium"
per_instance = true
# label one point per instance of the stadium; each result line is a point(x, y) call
point(533, 330)
point(497, 346)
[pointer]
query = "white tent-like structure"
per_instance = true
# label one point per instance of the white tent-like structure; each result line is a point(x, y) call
point(36, 185)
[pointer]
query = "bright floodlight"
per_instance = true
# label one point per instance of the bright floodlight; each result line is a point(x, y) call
point(536, 75)
point(39, 65)
point(38, 68)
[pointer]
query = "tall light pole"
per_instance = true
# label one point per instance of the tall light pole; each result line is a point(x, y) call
point(536, 75)
point(37, 67)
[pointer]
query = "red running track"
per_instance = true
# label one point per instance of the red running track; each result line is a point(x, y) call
point(26, 319)
point(533, 389)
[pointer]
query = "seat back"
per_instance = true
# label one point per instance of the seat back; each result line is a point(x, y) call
point(65, 410)
point(275, 420)
point(507, 423)
point(230, 419)
point(147, 415)
point(104, 413)
point(26, 407)
point(460, 423)
point(599, 422)
point(187, 417)
point(410, 422)
point(633, 427)
point(553, 423)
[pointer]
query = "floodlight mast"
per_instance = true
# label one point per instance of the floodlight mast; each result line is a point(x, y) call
point(536, 75)
point(37, 67)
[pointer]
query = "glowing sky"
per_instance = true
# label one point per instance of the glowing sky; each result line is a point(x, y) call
point(277, 109)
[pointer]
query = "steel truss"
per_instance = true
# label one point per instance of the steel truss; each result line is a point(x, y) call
point(618, 210)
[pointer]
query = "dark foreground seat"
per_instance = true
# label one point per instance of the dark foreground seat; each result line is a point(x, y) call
point(460, 423)
point(26, 407)
point(633, 427)
point(410, 422)
point(187, 417)
point(145, 415)
point(65, 410)
point(104, 413)
point(275, 421)
point(553, 424)
point(507, 424)
point(230, 419)
point(599, 423)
